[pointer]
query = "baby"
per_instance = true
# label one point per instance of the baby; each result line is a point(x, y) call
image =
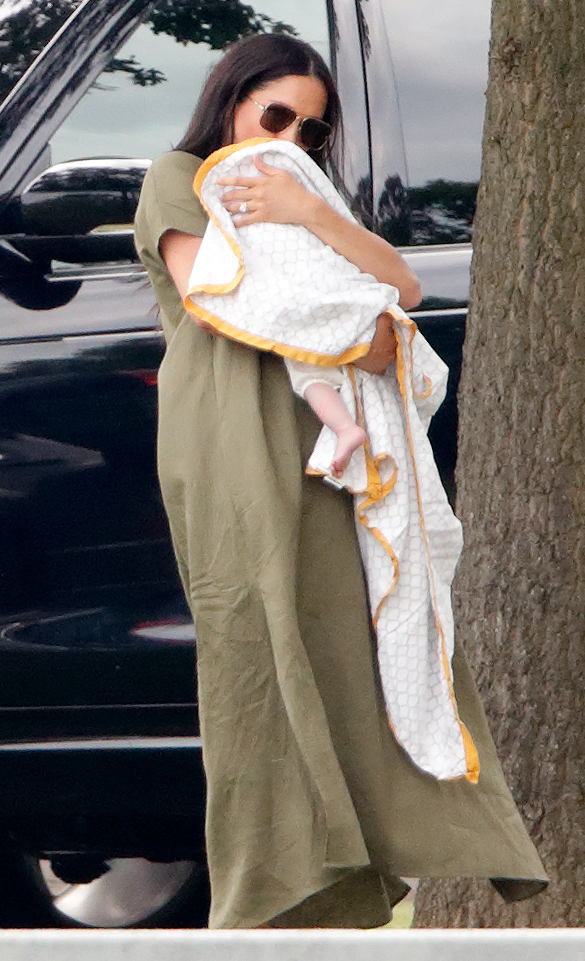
point(319, 386)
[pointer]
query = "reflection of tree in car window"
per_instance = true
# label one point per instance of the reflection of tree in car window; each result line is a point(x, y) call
point(197, 21)
point(442, 211)
point(25, 31)
point(140, 105)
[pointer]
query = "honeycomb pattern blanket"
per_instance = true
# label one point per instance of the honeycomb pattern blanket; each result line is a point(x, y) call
point(278, 287)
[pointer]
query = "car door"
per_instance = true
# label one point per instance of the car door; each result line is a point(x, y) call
point(79, 336)
point(81, 517)
point(97, 688)
point(82, 525)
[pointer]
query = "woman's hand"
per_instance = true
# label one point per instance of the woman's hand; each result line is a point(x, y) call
point(382, 349)
point(275, 197)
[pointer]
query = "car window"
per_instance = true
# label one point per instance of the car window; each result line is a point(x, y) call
point(141, 105)
point(26, 26)
point(75, 214)
point(439, 55)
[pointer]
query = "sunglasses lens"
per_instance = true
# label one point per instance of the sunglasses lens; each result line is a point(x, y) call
point(314, 133)
point(276, 117)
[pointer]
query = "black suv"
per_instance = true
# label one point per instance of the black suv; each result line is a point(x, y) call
point(101, 781)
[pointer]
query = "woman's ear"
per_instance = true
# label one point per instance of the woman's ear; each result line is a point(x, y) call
point(227, 136)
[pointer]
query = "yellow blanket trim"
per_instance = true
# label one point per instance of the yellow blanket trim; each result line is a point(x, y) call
point(412, 327)
point(217, 288)
point(283, 350)
point(425, 393)
point(471, 755)
point(200, 176)
point(230, 285)
point(377, 491)
point(206, 166)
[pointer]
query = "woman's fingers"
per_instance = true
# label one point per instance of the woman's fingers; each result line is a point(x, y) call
point(243, 212)
point(267, 169)
point(275, 197)
point(382, 349)
point(242, 219)
point(246, 182)
point(240, 202)
point(236, 197)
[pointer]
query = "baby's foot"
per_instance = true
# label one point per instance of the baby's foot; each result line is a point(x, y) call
point(348, 441)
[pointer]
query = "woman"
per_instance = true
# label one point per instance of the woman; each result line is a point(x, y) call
point(314, 812)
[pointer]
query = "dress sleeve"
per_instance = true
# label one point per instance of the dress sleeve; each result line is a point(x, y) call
point(167, 202)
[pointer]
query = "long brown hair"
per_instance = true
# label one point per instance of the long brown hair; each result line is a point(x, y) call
point(249, 65)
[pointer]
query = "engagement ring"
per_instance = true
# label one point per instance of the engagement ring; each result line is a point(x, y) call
point(243, 208)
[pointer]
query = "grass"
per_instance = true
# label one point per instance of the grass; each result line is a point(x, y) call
point(403, 912)
point(401, 916)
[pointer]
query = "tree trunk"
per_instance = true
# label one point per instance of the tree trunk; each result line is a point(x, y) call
point(520, 591)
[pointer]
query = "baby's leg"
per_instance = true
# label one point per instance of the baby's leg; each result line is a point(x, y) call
point(329, 407)
point(319, 387)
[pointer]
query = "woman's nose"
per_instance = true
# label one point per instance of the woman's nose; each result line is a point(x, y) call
point(291, 133)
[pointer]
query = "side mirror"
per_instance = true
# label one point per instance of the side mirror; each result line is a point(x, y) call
point(80, 195)
point(60, 210)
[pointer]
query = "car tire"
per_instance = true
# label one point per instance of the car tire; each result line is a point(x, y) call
point(133, 893)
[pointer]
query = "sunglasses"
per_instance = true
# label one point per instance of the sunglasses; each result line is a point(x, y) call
point(276, 117)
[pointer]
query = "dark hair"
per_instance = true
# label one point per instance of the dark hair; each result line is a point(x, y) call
point(249, 64)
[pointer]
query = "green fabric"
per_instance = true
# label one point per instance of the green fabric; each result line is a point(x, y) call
point(314, 811)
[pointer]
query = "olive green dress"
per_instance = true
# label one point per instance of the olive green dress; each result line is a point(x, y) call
point(314, 812)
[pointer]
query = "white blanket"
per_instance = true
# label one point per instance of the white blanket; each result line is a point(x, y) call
point(278, 287)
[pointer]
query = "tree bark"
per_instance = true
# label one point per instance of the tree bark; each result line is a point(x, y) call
point(520, 590)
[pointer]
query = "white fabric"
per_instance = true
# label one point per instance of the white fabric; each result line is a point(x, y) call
point(301, 299)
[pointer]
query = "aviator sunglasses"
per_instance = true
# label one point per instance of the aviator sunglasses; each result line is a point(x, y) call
point(276, 117)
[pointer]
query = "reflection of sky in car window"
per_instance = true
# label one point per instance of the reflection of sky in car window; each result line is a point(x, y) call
point(130, 121)
point(439, 51)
